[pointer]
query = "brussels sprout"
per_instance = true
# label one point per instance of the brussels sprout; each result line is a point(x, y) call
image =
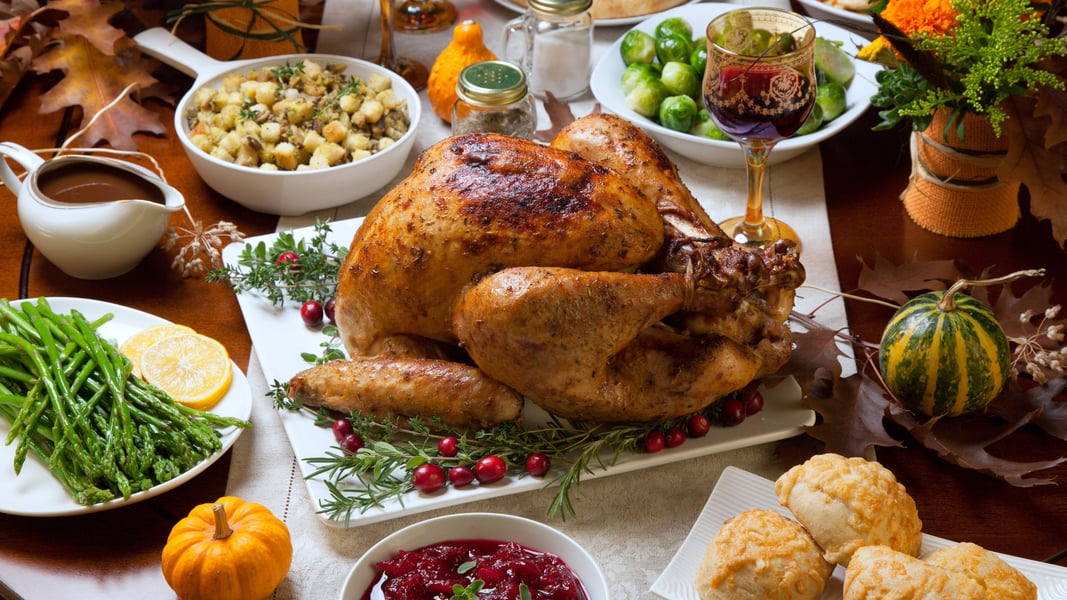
point(635, 72)
point(832, 64)
point(637, 47)
point(680, 79)
point(678, 113)
point(705, 127)
point(758, 42)
point(673, 46)
point(815, 120)
point(831, 98)
point(699, 58)
point(673, 25)
point(645, 98)
point(783, 43)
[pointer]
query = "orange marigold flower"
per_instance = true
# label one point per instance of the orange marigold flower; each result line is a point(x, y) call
point(935, 17)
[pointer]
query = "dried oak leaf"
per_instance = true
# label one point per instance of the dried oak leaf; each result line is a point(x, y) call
point(886, 280)
point(1033, 160)
point(93, 80)
point(963, 441)
point(1039, 404)
point(852, 411)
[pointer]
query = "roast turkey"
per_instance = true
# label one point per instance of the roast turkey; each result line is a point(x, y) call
point(584, 276)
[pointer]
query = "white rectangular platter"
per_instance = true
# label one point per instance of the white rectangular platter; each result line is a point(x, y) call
point(738, 490)
point(279, 337)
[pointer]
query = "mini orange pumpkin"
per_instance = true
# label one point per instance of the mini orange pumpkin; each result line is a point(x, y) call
point(466, 48)
point(227, 550)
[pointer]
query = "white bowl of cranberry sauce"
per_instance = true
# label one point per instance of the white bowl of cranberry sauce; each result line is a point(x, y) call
point(495, 551)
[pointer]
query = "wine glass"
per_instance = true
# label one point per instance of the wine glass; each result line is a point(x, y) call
point(412, 71)
point(425, 16)
point(759, 87)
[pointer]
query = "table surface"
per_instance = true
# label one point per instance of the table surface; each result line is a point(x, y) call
point(115, 554)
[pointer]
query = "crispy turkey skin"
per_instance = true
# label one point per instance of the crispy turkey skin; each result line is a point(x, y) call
point(583, 275)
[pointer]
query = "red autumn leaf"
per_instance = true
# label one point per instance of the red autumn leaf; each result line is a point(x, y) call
point(889, 281)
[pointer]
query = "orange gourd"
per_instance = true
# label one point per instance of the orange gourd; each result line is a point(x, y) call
point(466, 48)
point(227, 550)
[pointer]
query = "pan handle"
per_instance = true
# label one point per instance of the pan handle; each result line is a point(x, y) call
point(160, 43)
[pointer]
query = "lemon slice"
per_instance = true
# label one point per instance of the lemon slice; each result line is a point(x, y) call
point(193, 368)
point(136, 344)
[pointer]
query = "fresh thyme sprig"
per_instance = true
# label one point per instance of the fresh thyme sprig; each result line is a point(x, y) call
point(381, 470)
point(313, 275)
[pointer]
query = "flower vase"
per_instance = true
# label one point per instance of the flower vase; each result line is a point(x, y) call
point(954, 189)
point(240, 32)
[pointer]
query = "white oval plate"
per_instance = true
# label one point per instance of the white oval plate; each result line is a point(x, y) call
point(35, 492)
point(606, 86)
point(816, 9)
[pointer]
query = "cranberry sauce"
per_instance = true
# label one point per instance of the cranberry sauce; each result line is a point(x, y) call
point(430, 572)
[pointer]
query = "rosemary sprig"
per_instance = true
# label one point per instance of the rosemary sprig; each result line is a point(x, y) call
point(312, 277)
point(381, 471)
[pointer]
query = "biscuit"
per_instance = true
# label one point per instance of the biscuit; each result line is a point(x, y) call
point(847, 503)
point(999, 579)
point(881, 573)
point(760, 554)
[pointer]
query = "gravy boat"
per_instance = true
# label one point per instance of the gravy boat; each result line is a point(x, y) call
point(93, 217)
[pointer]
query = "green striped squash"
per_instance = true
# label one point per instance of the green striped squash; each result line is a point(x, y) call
point(944, 358)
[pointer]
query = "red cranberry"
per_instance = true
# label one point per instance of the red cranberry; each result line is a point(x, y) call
point(460, 476)
point(674, 437)
point(753, 404)
point(428, 478)
point(490, 469)
point(289, 258)
point(352, 443)
point(341, 428)
point(328, 307)
point(448, 446)
point(537, 464)
point(654, 442)
point(311, 313)
point(698, 426)
point(732, 412)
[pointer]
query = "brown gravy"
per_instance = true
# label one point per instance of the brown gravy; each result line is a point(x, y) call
point(85, 182)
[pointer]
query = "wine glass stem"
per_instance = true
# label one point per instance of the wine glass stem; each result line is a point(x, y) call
point(387, 58)
point(755, 163)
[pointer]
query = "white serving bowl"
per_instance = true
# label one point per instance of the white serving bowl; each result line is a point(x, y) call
point(607, 87)
point(477, 526)
point(284, 193)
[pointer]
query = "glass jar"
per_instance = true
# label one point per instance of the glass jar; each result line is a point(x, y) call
point(493, 98)
point(553, 43)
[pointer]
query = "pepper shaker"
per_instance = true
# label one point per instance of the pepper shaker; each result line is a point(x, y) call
point(553, 43)
point(493, 97)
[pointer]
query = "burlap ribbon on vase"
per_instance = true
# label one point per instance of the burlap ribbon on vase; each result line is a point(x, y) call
point(953, 189)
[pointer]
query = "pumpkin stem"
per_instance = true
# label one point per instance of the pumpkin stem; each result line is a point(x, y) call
point(222, 526)
point(948, 300)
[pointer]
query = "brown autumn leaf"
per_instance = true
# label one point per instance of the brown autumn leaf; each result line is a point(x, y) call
point(1038, 166)
point(964, 440)
point(1049, 414)
point(89, 18)
point(886, 280)
point(92, 80)
point(852, 413)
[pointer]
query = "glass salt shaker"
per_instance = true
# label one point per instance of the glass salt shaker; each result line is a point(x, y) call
point(553, 43)
point(493, 97)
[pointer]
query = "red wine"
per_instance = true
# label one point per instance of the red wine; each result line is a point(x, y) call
point(760, 103)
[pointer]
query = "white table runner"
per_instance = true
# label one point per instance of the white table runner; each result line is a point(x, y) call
point(631, 523)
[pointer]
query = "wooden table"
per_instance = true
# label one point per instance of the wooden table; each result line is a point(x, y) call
point(115, 554)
